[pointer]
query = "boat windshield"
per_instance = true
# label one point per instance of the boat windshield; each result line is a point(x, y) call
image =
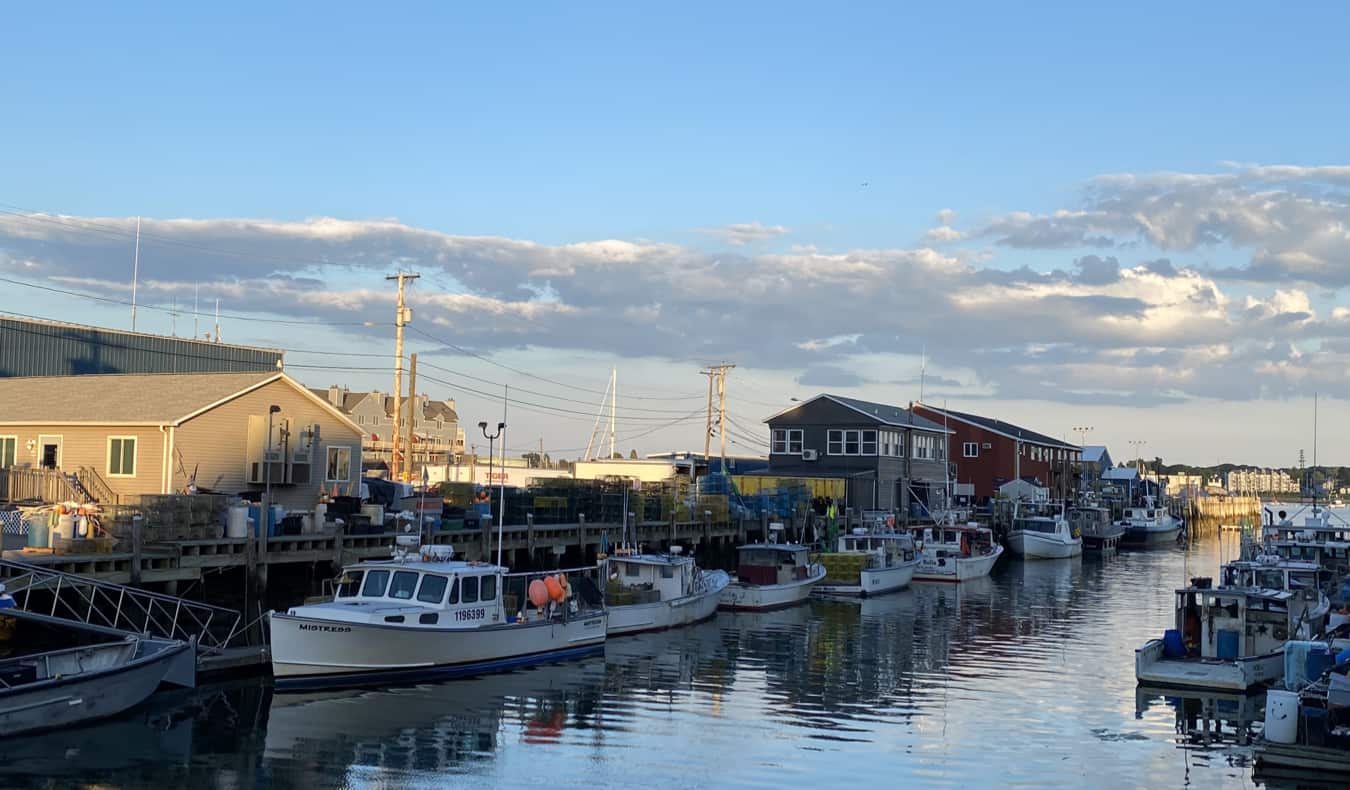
point(1036, 525)
point(350, 584)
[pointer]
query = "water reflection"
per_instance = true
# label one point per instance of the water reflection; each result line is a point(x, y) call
point(1025, 677)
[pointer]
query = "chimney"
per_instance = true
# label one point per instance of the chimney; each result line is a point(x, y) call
point(335, 395)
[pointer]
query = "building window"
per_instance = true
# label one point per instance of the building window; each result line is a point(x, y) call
point(899, 445)
point(9, 446)
point(869, 442)
point(850, 442)
point(924, 446)
point(970, 450)
point(787, 441)
point(836, 443)
point(121, 456)
point(339, 464)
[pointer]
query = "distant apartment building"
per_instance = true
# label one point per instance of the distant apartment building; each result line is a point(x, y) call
point(438, 438)
point(1260, 481)
point(1179, 484)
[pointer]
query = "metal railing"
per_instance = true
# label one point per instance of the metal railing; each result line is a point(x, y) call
point(80, 599)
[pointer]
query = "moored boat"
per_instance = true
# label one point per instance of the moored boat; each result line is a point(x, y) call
point(956, 552)
point(1095, 526)
point(771, 576)
point(1225, 638)
point(652, 592)
point(1040, 531)
point(62, 688)
point(404, 620)
point(1150, 525)
point(870, 563)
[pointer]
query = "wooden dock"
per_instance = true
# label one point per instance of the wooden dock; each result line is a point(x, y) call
point(529, 544)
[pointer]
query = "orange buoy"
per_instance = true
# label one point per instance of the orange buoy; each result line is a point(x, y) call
point(538, 593)
point(555, 590)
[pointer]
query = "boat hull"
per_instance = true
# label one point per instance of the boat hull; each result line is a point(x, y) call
point(1236, 675)
point(738, 597)
point(85, 697)
point(958, 570)
point(874, 581)
point(1151, 536)
point(314, 653)
point(1035, 546)
point(658, 616)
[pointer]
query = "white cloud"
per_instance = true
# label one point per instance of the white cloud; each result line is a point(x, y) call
point(742, 233)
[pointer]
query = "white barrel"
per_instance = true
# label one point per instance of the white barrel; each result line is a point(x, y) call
point(81, 526)
point(1281, 716)
point(236, 522)
point(320, 516)
point(376, 513)
point(65, 527)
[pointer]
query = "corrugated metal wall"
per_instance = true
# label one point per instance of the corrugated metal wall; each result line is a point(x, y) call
point(39, 348)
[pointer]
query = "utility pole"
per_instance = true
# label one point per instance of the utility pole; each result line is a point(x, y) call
point(412, 417)
point(717, 373)
point(135, 272)
point(707, 423)
point(402, 317)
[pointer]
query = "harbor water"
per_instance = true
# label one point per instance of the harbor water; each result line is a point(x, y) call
point(1025, 678)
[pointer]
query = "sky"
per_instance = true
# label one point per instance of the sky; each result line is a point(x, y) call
point(1132, 219)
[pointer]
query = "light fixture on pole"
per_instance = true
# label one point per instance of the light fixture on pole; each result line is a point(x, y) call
point(492, 438)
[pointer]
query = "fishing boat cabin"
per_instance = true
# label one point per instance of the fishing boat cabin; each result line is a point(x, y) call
point(1231, 624)
point(648, 578)
point(765, 564)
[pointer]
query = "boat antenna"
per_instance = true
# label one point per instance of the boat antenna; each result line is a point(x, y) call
point(947, 491)
point(1312, 478)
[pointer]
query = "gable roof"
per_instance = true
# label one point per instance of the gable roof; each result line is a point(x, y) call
point(1002, 428)
point(881, 412)
point(350, 400)
point(1121, 473)
point(1093, 453)
point(134, 398)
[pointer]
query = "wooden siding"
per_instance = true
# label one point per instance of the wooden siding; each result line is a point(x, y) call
point(83, 445)
point(215, 443)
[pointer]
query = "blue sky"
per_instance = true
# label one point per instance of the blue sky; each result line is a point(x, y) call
point(569, 125)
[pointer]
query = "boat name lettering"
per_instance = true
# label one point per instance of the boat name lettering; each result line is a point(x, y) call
point(332, 629)
point(470, 614)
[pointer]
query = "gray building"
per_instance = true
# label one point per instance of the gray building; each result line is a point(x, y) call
point(888, 455)
point(437, 435)
point(30, 347)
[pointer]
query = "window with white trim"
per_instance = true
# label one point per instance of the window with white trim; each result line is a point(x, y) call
point(9, 448)
point(835, 443)
point(869, 442)
point(898, 447)
point(851, 442)
point(121, 456)
point(970, 450)
point(787, 441)
point(339, 464)
point(925, 447)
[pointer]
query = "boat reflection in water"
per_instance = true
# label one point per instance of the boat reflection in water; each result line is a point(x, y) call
point(1207, 719)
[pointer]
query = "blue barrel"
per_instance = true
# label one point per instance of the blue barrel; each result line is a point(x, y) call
point(1173, 647)
point(1319, 660)
point(37, 532)
point(1228, 644)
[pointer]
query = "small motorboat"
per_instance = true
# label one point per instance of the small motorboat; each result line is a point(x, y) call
point(61, 688)
point(771, 576)
point(1040, 532)
point(1095, 527)
point(653, 592)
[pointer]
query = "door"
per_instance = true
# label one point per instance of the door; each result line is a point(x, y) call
point(49, 452)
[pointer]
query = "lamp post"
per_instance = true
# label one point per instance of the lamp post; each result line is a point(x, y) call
point(492, 437)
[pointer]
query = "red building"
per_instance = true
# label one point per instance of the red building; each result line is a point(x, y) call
point(988, 452)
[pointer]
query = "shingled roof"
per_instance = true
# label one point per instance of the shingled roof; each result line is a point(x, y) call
point(1002, 428)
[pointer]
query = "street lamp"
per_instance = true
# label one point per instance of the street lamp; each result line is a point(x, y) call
point(267, 472)
point(492, 437)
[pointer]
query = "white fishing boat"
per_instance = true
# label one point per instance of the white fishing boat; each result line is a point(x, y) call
point(427, 616)
point(956, 553)
point(1307, 580)
point(870, 562)
point(1040, 531)
point(1225, 638)
point(771, 576)
point(1149, 525)
point(652, 592)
